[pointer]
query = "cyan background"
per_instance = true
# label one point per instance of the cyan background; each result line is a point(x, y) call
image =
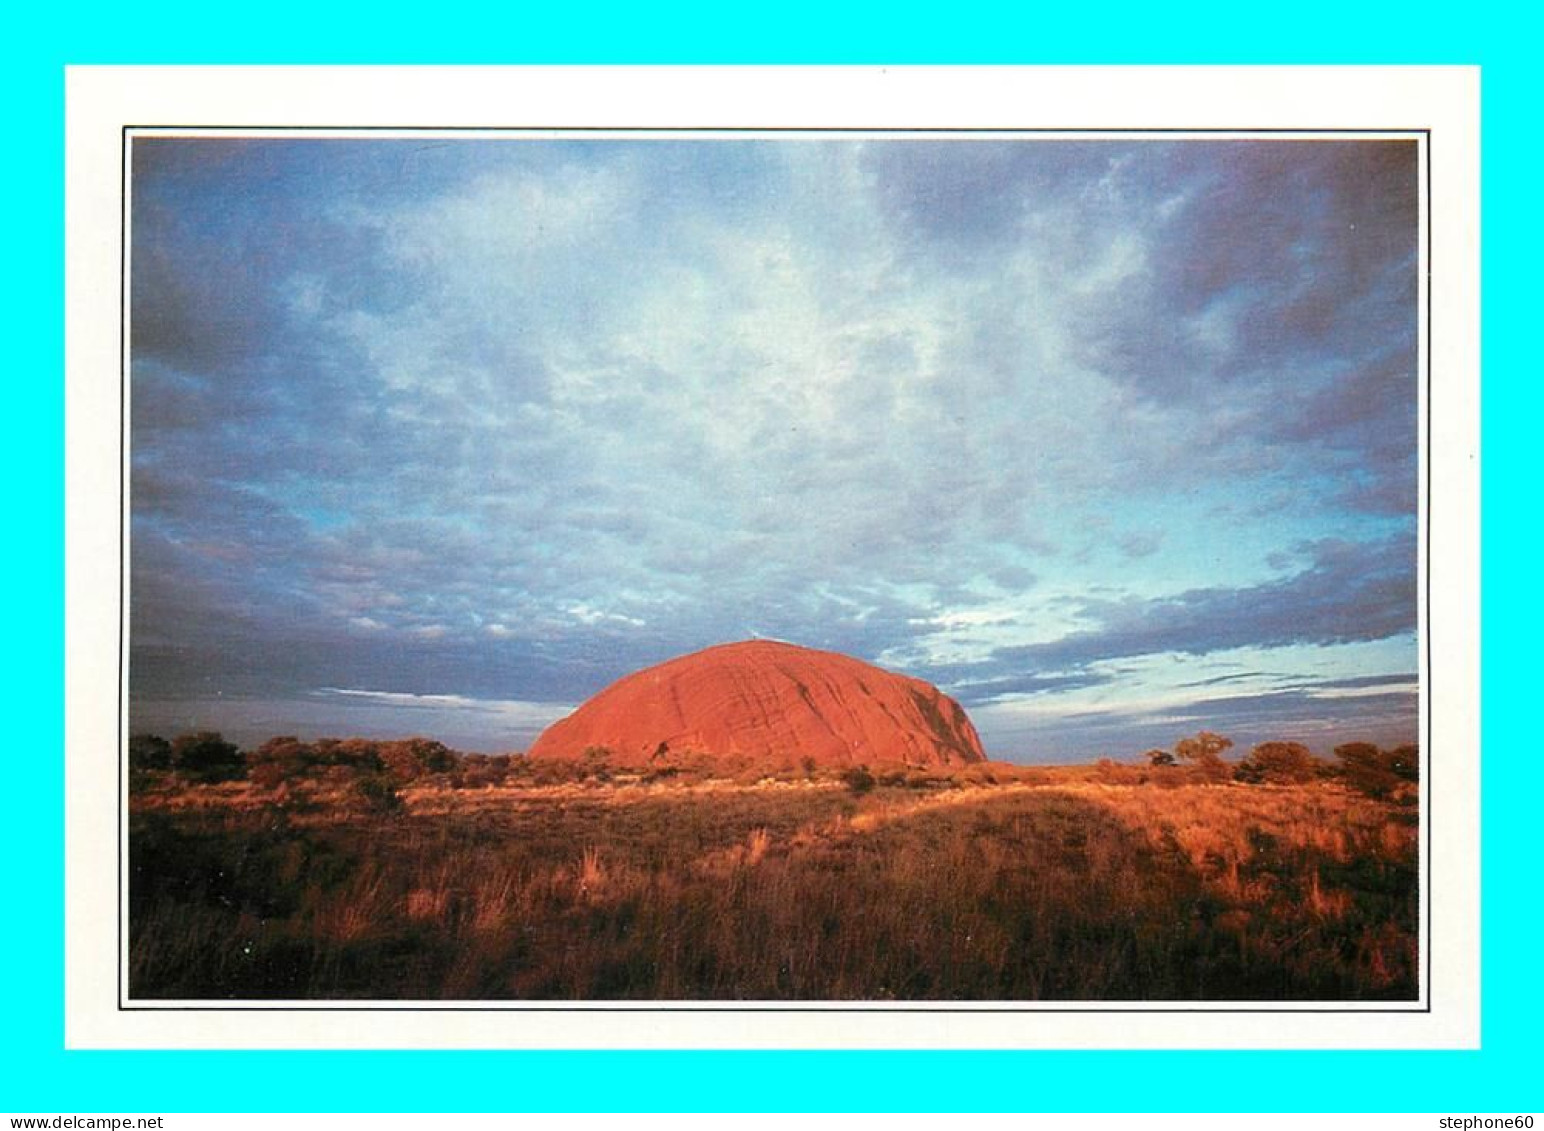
point(36, 1074)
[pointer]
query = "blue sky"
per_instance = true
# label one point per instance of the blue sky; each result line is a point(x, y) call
point(1112, 440)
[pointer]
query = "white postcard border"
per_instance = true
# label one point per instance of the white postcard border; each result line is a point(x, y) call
point(103, 101)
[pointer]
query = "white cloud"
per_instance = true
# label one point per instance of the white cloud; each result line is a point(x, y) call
point(584, 614)
point(513, 712)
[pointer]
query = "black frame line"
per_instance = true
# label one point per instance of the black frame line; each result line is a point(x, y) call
point(124, 219)
point(1424, 814)
point(729, 1008)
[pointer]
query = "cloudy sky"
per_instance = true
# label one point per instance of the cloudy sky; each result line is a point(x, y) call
point(1112, 440)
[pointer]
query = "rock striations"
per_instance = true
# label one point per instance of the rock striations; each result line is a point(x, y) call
point(760, 699)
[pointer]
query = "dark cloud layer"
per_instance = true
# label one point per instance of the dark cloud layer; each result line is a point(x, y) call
point(1350, 592)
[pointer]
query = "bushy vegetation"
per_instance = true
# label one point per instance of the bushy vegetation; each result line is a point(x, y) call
point(206, 757)
point(1380, 773)
point(1281, 763)
point(326, 773)
point(149, 752)
point(349, 868)
point(1385, 774)
point(1204, 752)
point(858, 779)
point(290, 767)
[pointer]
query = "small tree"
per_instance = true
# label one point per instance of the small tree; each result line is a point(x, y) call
point(1159, 757)
point(1377, 773)
point(1280, 762)
point(149, 752)
point(1204, 747)
point(1204, 751)
point(205, 756)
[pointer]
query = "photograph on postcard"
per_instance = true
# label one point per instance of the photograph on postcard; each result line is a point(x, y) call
point(966, 568)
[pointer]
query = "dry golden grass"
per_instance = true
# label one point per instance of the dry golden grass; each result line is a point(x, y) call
point(1005, 883)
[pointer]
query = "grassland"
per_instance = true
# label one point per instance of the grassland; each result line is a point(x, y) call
point(994, 884)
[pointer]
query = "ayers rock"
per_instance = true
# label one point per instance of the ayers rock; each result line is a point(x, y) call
point(761, 698)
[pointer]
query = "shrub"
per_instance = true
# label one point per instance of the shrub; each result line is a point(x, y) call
point(280, 759)
point(1404, 762)
point(433, 757)
point(284, 748)
point(205, 756)
point(409, 759)
point(1278, 762)
point(478, 771)
point(1378, 773)
point(378, 793)
point(858, 779)
point(355, 753)
point(149, 752)
point(555, 771)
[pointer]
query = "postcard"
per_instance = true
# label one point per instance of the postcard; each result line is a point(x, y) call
point(773, 557)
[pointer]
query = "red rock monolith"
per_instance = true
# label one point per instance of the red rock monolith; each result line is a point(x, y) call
point(764, 699)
